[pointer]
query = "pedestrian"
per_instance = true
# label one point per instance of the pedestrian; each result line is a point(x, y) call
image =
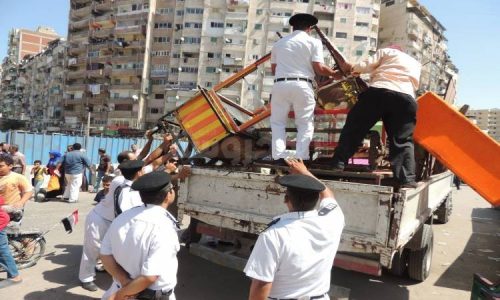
point(293, 257)
point(56, 175)
point(37, 172)
point(140, 248)
point(74, 164)
point(19, 165)
point(394, 77)
point(4, 147)
point(106, 182)
point(14, 187)
point(295, 59)
point(124, 197)
point(103, 169)
point(6, 259)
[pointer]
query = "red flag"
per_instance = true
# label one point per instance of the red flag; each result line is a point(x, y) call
point(70, 221)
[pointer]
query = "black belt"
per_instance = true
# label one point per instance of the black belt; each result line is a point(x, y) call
point(293, 79)
point(310, 298)
point(149, 294)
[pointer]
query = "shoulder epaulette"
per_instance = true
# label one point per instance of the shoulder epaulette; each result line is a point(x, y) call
point(327, 209)
point(271, 224)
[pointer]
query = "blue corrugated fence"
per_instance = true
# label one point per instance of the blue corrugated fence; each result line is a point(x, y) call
point(37, 145)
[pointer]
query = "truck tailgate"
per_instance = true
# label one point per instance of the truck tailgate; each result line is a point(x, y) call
point(247, 202)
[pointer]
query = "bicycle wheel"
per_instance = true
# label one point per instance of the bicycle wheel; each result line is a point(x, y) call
point(27, 249)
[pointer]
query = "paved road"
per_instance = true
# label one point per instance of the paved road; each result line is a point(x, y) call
point(469, 243)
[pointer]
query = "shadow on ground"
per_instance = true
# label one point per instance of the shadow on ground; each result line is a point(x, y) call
point(68, 260)
point(480, 255)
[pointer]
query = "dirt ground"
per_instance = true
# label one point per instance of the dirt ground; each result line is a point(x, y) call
point(469, 243)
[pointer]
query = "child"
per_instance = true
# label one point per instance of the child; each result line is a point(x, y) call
point(37, 173)
point(106, 182)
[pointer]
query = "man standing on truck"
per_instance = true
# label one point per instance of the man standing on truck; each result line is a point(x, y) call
point(394, 77)
point(293, 257)
point(294, 61)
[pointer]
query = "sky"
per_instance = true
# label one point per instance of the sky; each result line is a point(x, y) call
point(472, 30)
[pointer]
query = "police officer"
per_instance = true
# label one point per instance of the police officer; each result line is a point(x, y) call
point(293, 257)
point(294, 61)
point(140, 248)
point(121, 198)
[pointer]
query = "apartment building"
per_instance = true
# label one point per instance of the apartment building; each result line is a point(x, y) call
point(21, 43)
point(488, 120)
point(40, 86)
point(130, 61)
point(412, 26)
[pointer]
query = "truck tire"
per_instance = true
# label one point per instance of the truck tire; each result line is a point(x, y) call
point(443, 213)
point(420, 260)
point(399, 263)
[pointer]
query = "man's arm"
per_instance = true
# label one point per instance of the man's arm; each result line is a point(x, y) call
point(259, 290)
point(273, 69)
point(322, 69)
point(113, 268)
point(147, 147)
point(23, 188)
point(136, 286)
point(23, 163)
point(163, 148)
point(297, 167)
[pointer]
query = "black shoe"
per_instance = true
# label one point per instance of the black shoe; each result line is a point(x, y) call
point(90, 286)
point(280, 162)
point(337, 166)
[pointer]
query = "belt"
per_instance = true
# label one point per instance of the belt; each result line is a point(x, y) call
point(300, 298)
point(149, 294)
point(293, 79)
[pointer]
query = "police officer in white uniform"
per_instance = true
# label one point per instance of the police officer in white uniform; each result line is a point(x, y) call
point(294, 61)
point(124, 196)
point(293, 257)
point(140, 248)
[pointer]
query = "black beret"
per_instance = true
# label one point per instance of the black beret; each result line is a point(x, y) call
point(308, 19)
point(131, 165)
point(151, 182)
point(301, 182)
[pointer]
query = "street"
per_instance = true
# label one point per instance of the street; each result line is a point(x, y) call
point(469, 243)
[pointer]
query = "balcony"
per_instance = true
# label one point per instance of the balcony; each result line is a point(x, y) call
point(122, 114)
point(131, 29)
point(79, 35)
point(102, 33)
point(136, 44)
point(79, 13)
point(78, 74)
point(236, 15)
point(326, 8)
point(414, 45)
point(125, 86)
point(76, 88)
point(78, 25)
point(133, 13)
point(99, 73)
point(235, 31)
point(76, 48)
point(127, 72)
point(159, 73)
point(230, 61)
point(413, 34)
point(103, 6)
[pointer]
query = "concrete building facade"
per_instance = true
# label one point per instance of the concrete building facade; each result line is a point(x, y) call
point(130, 61)
point(412, 26)
point(488, 120)
point(21, 43)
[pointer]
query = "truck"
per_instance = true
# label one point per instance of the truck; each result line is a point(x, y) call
point(385, 228)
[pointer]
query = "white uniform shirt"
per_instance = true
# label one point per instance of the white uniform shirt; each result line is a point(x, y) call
point(296, 254)
point(106, 208)
point(294, 54)
point(392, 69)
point(143, 240)
point(128, 197)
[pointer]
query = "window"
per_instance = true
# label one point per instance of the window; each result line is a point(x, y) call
point(211, 69)
point(343, 5)
point(159, 96)
point(155, 110)
point(164, 11)
point(343, 20)
point(341, 35)
point(179, 13)
point(161, 39)
point(341, 49)
point(217, 24)
point(363, 10)
point(163, 25)
point(359, 52)
point(286, 30)
point(213, 39)
point(258, 12)
point(197, 11)
point(258, 26)
point(192, 25)
point(362, 24)
point(388, 3)
point(208, 84)
point(359, 38)
point(123, 107)
point(93, 53)
point(192, 40)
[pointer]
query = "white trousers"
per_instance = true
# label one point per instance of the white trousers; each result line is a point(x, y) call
point(73, 184)
point(95, 229)
point(300, 96)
